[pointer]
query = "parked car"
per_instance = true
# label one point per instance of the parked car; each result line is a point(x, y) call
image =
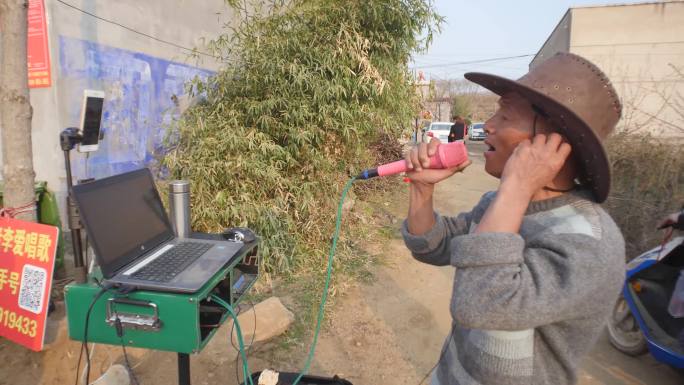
point(439, 130)
point(477, 132)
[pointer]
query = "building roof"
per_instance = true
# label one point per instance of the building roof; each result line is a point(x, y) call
point(599, 6)
point(550, 34)
point(625, 4)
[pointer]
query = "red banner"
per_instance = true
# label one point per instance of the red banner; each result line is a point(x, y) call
point(38, 51)
point(27, 259)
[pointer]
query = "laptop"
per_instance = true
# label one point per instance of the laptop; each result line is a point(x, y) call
point(133, 239)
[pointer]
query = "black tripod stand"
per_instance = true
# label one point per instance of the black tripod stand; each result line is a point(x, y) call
point(68, 140)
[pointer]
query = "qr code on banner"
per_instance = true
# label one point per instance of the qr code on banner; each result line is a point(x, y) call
point(32, 288)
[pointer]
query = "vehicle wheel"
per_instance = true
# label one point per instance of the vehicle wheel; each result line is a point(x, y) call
point(624, 332)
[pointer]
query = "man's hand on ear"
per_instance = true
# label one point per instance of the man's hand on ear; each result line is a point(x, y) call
point(534, 164)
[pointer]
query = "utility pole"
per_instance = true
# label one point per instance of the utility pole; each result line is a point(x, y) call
point(15, 109)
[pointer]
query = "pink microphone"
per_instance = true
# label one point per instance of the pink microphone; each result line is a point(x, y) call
point(448, 155)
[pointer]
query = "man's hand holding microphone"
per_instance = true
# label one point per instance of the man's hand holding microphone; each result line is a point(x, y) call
point(423, 179)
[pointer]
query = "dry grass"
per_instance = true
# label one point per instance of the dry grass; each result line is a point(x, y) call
point(648, 183)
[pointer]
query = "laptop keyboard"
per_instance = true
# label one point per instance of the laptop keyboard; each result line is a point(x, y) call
point(172, 262)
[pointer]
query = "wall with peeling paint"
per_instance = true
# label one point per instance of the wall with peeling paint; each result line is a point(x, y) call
point(142, 77)
point(138, 101)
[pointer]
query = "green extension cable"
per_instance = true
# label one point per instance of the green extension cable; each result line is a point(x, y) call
point(319, 320)
point(338, 223)
point(245, 368)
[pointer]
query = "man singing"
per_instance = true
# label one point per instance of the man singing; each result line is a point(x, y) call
point(539, 264)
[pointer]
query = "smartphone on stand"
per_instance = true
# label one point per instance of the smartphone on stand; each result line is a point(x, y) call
point(91, 119)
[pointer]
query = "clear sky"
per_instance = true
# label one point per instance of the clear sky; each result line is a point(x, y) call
point(486, 29)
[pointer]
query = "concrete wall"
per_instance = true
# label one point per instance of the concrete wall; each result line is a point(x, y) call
point(641, 49)
point(138, 74)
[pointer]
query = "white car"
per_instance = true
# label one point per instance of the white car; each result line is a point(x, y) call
point(439, 130)
point(477, 132)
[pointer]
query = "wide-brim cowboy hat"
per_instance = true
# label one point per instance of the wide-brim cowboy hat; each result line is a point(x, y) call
point(579, 101)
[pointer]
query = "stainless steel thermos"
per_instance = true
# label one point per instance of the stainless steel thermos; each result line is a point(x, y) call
point(179, 204)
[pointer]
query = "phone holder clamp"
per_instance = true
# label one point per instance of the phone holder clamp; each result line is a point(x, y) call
point(69, 138)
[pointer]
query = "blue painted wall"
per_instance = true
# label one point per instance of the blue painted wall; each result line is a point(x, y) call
point(138, 104)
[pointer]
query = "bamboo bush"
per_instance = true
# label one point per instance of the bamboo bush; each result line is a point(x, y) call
point(309, 87)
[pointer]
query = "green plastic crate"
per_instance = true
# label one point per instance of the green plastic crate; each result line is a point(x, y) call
point(176, 322)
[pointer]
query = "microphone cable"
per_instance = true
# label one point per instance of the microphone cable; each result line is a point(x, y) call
point(321, 308)
point(245, 367)
point(328, 274)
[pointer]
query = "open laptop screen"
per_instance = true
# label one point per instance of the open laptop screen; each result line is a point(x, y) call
point(124, 218)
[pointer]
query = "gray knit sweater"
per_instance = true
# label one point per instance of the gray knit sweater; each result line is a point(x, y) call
point(526, 307)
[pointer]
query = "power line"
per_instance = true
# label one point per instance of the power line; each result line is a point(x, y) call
point(138, 32)
point(476, 61)
point(443, 60)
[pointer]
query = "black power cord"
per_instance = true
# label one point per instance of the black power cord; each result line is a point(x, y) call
point(441, 355)
point(84, 345)
point(120, 333)
point(430, 371)
point(128, 364)
point(78, 365)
